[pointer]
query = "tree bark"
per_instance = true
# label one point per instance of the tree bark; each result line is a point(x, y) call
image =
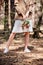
point(12, 14)
point(6, 25)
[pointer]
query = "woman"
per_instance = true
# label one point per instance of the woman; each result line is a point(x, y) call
point(18, 29)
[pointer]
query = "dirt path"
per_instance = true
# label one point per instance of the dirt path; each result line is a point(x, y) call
point(16, 55)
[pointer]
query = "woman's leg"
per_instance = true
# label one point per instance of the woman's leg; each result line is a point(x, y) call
point(9, 42)
point(27, 41)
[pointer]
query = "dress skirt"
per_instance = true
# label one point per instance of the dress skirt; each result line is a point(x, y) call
point(18, 27)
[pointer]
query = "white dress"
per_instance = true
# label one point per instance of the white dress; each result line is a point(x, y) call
point(18, 27)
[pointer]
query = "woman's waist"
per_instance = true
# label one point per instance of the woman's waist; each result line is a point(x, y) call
point(19, 19)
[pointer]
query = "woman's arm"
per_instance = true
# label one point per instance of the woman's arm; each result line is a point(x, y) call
point(27, 13)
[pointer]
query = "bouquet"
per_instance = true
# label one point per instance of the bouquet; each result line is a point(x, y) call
point(25, 24)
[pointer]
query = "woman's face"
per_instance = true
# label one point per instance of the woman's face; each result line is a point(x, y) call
point(17, 1)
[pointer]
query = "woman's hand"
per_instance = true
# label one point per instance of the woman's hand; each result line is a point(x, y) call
point(24, 17)
point(27, 26)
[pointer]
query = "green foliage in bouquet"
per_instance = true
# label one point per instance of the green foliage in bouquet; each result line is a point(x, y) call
point(25, 24)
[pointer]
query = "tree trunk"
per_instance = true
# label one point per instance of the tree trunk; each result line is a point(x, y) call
point(6, 25)
point(6, 22)
point(12, 13)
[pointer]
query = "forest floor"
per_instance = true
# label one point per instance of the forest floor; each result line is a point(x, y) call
point(16, 54)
